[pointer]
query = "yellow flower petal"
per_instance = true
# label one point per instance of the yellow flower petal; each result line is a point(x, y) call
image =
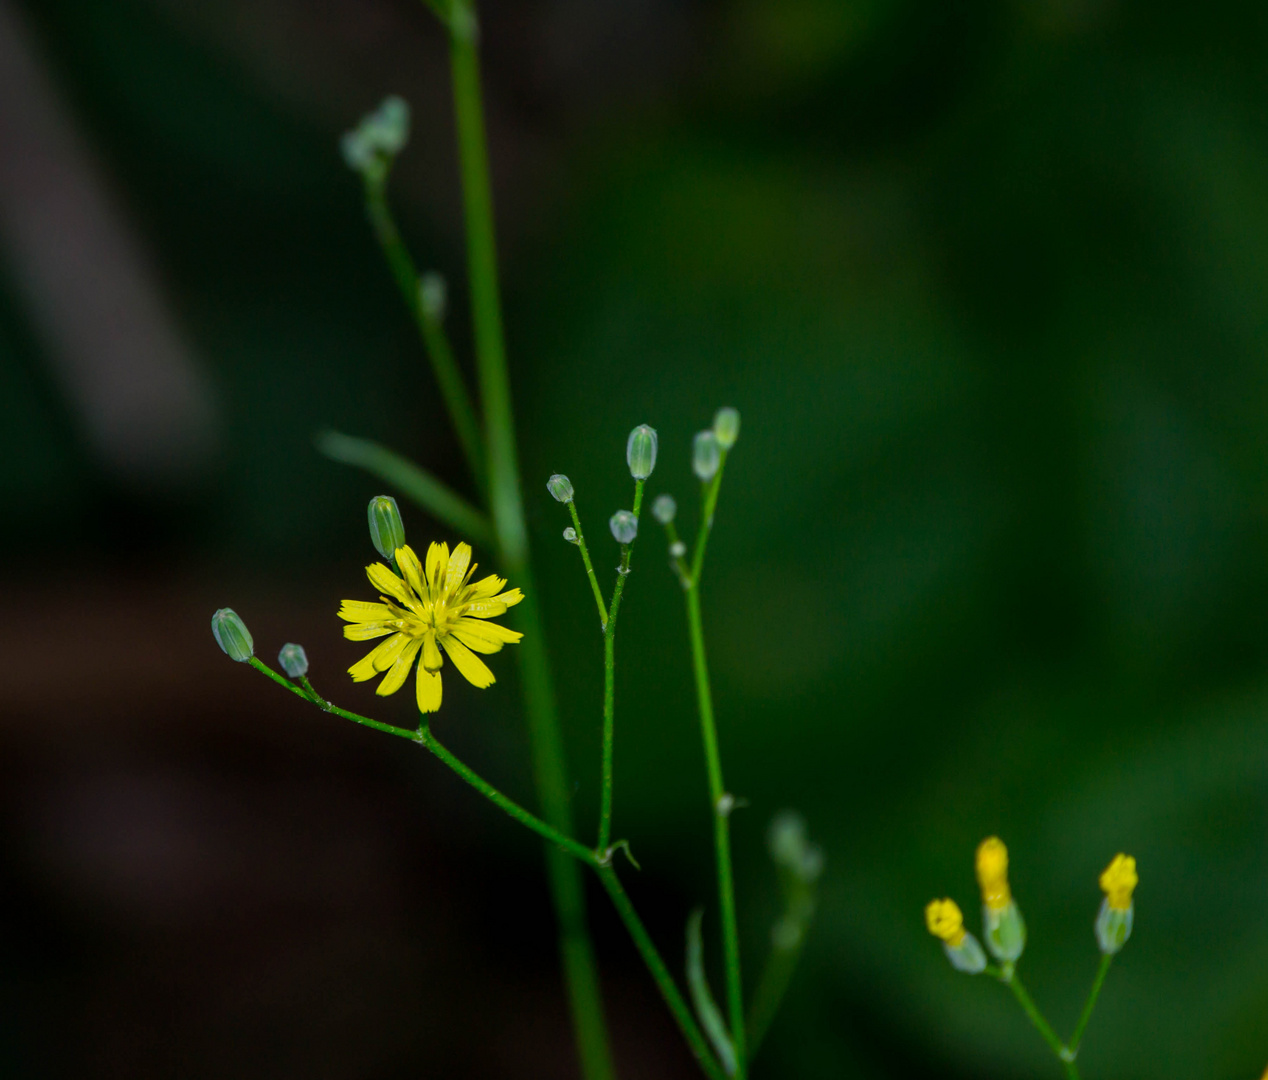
point(408, 562)
point(484, 637)
point(395, 678)
point(485, 588)
point(362, 611)
point(432, 660)
point(511, 598)
point(473, 669)
point(387, 582)
point(364, 668)
point(484, 609)
point(459, 564)
point(385, 655)
point(437, 564)
point(428, 690)
point(368, 631)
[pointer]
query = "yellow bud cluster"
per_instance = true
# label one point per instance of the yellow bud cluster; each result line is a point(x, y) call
point(992, 873)
point(1118, 881)
point(945, 921)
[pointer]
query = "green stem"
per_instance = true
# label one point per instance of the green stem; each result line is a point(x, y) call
point(550, 774)
point(609, 682)
point(1041, 1024)
point(771, 987)
point(452, 387)
point(585, 558)
point(1077, 1038)
point(660, 974)
point(722, 802)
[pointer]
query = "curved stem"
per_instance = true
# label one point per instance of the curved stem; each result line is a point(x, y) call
point(660, 974)
point(609, 683)
point(1077, 1038)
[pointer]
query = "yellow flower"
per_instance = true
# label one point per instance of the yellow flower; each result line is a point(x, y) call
point(425, 612)
point(992, 873)
point(1118, 881)
point(945, 921)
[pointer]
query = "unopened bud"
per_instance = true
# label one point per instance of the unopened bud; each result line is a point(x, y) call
point(294, 660)
point(706, 455)
point(726, 427)
point(232, 635)
point(946, 923)
point(624, 526)
point(380, 136)
point(433, 294)
point(789, 848)
point(1004, 930)
point(677, 549)
point(387, 531)
point(1113, 926)
point(640, 452)
point(664, 509)
point(560, 487)
point(570, 534)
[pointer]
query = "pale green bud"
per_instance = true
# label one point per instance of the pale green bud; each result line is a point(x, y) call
point(1113, 927)
point(387, 531)
point(677, 549)
point(624, 526)
point(294, 660)
point(726, 427)
point(570, 534)
point(789, 847)
point(664, 509)
point(232, 635)
point(433, 294)
point(640, 451)
point(1004, 930)
point(379, 137)
point(706, 455)
point(560, 487)
point(966, 956)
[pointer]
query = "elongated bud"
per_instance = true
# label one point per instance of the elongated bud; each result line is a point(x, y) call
point(726, 427)
point(1114, 921)
point(706, 455)
point(624, 526)
point(1002, 924)
point(789, 848)
point(433, 294)
point(294, 660)
point(640, 452)
point(387, 531)
point(570, 534)
point(664, 509)
point(946, 923)
point(560, 487)
point(232, 635)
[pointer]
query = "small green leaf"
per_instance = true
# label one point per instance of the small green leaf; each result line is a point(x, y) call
point(701, 997)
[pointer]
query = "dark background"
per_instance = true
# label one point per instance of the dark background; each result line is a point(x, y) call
point(988, 283)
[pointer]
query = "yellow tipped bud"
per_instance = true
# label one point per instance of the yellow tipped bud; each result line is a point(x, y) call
point(992, 873)
point(1118, 881)
point(945, 921)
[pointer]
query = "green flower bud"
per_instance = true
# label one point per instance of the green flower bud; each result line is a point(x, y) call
point(789, 848)
point(726, 427)
point(232, 635)
point(664, 509)
point(387, 531)
point(560, 487)
point(570, 534)
point(677, 549)
point(1004, 930)
point(433, 294)
point(640, 452)
point(1113, 926)
point(706, 455)
point(379, 137)
point(624, 526)
point(967, 956)
point(294, 660)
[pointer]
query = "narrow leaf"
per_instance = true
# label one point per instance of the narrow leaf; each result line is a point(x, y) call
point(701, 997)
point(415, 483)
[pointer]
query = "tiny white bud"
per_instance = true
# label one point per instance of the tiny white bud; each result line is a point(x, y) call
point(294, 660)
point(664, 509)
point(624, 526)
point(677, 549)
point(706, 455)
point(433, 294)
point(570, 534)
point(726, 427)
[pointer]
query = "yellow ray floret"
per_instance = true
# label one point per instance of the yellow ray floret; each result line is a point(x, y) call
point(992, 873)
point(1119, 880)
point(425, 609)
point(945, 921)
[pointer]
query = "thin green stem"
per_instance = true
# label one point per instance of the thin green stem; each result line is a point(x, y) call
point(1077, 1038)
point(1037, 1018)
point(722, 802)
point(585, 558)
point(506, 507)
point(660, 974)
point(769, 993)
point(452, 387)
point(609, 682)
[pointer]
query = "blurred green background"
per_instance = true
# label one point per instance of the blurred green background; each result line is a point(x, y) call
point(988, 283)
